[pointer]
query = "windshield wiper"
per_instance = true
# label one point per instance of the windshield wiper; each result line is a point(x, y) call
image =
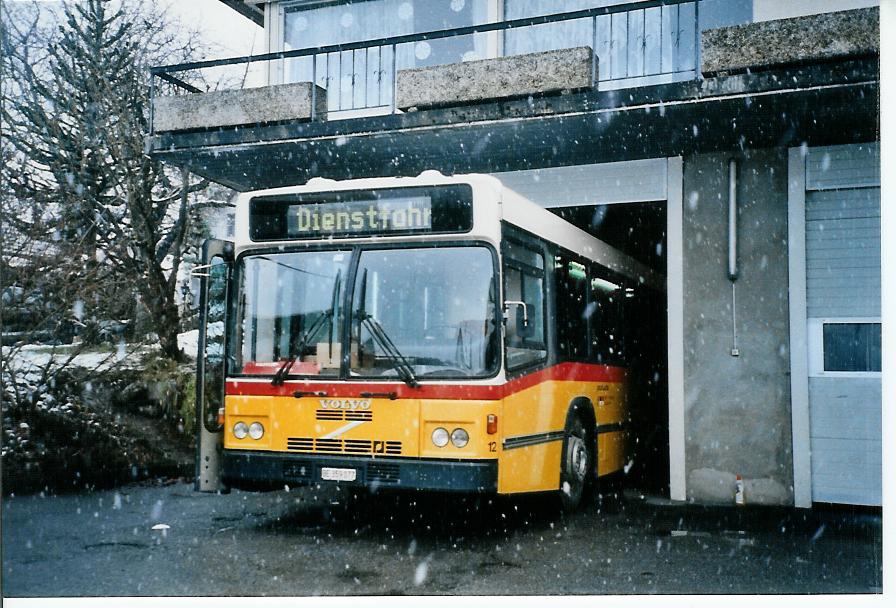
point(296, 351)
point(281, 374)
point(398, 361)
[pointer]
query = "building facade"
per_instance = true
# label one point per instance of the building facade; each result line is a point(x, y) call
point(731, 144)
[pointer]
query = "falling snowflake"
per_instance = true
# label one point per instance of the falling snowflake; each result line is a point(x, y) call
point(421, 572)
point(422, 50)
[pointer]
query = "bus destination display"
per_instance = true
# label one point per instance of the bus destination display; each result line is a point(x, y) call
point(386, 215)
point(436, 209)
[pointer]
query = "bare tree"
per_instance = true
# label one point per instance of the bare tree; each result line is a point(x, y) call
point(78, 179)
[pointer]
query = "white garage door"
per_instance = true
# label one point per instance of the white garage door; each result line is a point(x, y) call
point(844, 330)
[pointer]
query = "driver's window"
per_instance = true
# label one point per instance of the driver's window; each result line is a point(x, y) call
point(524, 283)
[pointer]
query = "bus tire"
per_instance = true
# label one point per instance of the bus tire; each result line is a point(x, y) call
point(576, 463)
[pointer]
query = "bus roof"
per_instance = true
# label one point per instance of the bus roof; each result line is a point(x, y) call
point(513, 208)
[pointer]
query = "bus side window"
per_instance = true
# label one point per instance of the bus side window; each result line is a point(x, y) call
point(604, 311)
point(572, 309)
point(524, 282)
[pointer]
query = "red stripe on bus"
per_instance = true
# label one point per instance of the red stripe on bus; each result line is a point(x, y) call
point(570, 372)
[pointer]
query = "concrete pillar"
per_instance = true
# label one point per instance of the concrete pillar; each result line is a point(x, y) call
point(737, 408)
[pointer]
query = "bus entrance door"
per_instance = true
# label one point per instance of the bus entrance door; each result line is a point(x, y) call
point(214, 276)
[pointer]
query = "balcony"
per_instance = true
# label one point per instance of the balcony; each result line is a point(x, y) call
point(613, 83)
point(636, 42)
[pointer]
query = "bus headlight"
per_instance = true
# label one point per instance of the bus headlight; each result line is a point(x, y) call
point(240, 430)
point(256, 430)
point(460, 438)
point(440, 437)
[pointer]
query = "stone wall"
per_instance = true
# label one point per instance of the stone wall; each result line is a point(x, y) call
point(737, 409)
point(238, 107)
point(515, 76)
point(814, 38)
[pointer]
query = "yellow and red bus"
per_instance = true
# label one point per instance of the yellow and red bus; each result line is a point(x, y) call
point(434, 333)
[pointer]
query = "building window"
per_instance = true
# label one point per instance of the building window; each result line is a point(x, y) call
point(363, 78)
point(634, 47)
point(852, 347)
point(637, 46)
point(844, 346)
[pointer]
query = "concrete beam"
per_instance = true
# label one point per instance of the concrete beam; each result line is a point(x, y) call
point(776, 108)
point(240, 107)
point(505, 77)
point(757, 46)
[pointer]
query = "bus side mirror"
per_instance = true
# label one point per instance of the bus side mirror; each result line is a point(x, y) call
point(214, 278)
point(524, 328)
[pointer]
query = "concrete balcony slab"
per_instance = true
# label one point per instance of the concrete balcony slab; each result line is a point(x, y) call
point(800, 40)
point(238, 107)
point(533, 74)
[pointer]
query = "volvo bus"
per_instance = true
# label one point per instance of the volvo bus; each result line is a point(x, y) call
point(434, 333)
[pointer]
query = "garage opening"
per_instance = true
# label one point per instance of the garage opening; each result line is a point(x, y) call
point(639, 230)
point(628, 205)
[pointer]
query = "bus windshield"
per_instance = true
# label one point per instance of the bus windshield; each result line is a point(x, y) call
point(289, 306)
point(435, 307)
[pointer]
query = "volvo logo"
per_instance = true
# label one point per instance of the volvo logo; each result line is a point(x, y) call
point(345, 404)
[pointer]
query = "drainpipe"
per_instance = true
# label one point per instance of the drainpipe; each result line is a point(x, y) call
point(733, 269)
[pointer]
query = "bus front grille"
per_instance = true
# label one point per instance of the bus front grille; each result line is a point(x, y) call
point(310, 445)
point(344, 415)
point(329, 415)
point(300, 444)
point(357, 446)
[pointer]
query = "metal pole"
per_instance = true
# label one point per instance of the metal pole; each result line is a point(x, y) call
point(662, 41)
point(697, 71)
point(733, 270)
point(643, 42)
point(627, 41)
point(594, 57)
point(379, 76)
point(313, 87)
point(394, 77)
point(677, 41)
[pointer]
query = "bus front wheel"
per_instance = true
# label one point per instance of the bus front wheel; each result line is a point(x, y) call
point(577, 462)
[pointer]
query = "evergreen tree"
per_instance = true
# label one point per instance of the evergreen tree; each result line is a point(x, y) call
point(74, 124)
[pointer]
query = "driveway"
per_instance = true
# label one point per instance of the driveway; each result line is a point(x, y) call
point(170, 540)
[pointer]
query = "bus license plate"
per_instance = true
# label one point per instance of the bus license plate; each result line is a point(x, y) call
point(332, 474)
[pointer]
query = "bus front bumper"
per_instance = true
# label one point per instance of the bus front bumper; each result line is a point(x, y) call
point(259, 470)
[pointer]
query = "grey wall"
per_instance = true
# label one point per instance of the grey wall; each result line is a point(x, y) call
point(737, 409)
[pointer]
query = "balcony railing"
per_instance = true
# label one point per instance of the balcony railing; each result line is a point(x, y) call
point(636, 43)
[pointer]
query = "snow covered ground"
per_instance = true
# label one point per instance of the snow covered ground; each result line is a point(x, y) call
point(189, 342)
point(31, 358)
